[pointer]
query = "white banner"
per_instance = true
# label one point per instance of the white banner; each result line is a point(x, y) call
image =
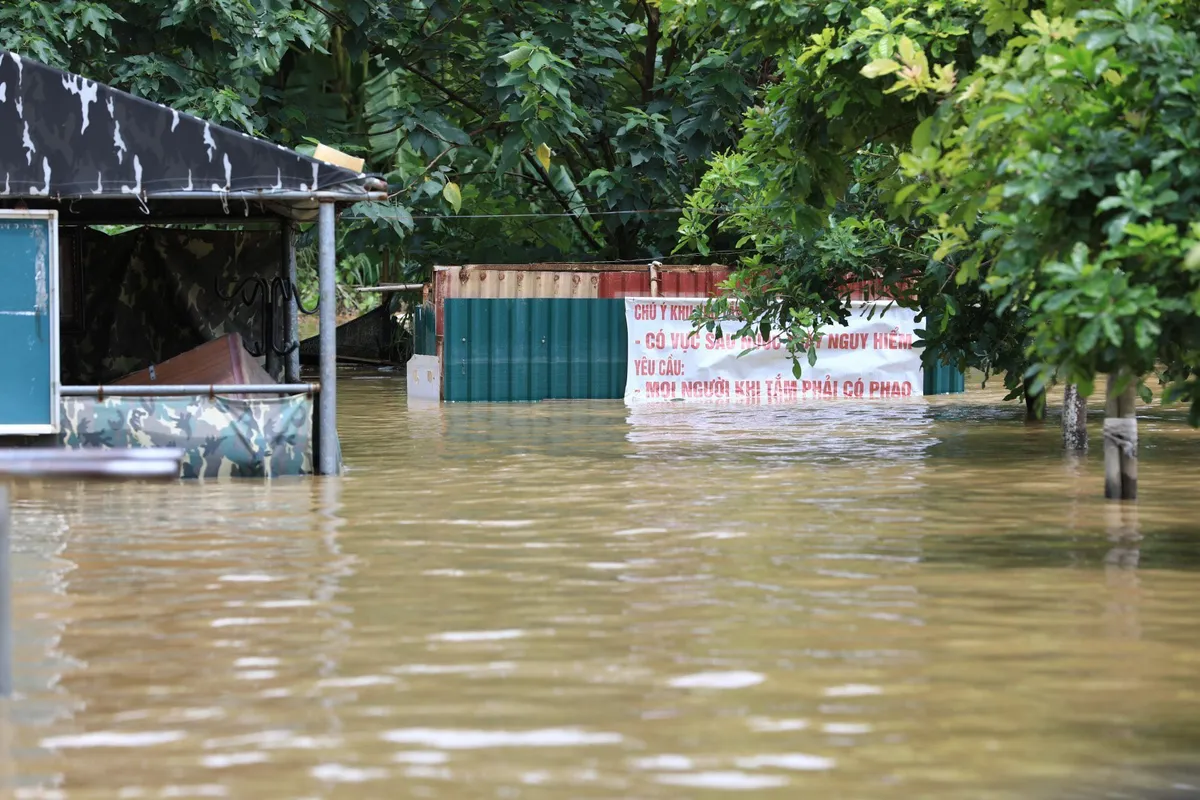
point(868, 359)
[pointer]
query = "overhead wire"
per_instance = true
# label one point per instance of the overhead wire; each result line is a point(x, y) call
point(530, 214)
point(572, 213)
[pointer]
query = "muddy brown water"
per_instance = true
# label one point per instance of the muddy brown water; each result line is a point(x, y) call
point(576, 600)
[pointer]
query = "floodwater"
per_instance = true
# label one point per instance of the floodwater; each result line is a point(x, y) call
point(573, 600)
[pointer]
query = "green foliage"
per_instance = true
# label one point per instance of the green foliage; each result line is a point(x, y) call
point(352, 270)
point(1022, 172)
point(816, 184)
point(1063, 178)
point(590, 111)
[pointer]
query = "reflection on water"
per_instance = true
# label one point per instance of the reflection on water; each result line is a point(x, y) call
point(577, 599)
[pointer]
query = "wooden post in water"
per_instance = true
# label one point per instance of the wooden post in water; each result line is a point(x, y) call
point(1120, 440)
point(1074, 419)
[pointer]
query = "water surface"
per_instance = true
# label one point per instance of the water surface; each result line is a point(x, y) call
point(572, 599)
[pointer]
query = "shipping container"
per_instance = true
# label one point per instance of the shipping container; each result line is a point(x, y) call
point(529, 332)
point(563, 281)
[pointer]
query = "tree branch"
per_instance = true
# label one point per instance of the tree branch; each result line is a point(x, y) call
point(670, 57)
point(446, 90)
point(650, 56)
point(563, 201)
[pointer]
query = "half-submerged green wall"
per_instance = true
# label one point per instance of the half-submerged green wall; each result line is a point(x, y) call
point(501, 350)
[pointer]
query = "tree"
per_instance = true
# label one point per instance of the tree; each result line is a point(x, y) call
point(586, 119)
point(1078, 147)
point(1040, 209)
point(816, 183)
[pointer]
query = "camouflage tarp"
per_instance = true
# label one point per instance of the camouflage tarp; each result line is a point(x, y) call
point(260, 438)
point(151, 294)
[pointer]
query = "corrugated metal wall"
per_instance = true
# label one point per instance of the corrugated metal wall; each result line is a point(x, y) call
point(498, 282)
point(424, 331)
point(562, 281)
point(502, 350)
point(943, 379)
point(575, 281)
point(672, 282)
point(557, 331)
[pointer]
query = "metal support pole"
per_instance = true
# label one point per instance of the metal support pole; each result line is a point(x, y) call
point(292, 318)
point(327, 270)
point(6, 637)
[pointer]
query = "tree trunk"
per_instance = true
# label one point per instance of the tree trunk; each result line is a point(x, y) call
point(1074, 419)
point(1120, 441)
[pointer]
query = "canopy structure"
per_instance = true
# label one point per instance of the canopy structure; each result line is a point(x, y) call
point(98, 155)
point(66, 138)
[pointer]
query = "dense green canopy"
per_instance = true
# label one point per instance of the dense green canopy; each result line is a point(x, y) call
point(592, 112)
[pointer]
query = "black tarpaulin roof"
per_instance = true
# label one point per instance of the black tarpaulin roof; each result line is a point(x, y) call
point(63, 137)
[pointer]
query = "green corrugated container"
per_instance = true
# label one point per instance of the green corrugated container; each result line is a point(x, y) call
point(550, 349)
point(943, 379)
point(424, 331)
point(533, 349)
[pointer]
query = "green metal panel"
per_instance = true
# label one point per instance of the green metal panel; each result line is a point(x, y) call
point(943, 379)
point(534, 349)
point(558, 355)
point(618, 342)
point(539, 346)
point(600, 345)
point(521, 335)
point(506, 349)
point(477, 353)
point(29, 401)
point(424, 331)
point(578, 353)
point(503, 350)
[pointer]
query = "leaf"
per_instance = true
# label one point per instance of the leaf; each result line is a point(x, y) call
point(543, 155)
point(1164, 158)
point(510, 151)
point(1100, 39)
point(403, 217)
point(1192, 261)
point(875, 16)
point(797, 370)
point(1087, 338)
point(453, 195)
point(878, 67)
point(516, 58)
point(1144, 392)
point(923, 134)
point(908, 52)
point(812, 356)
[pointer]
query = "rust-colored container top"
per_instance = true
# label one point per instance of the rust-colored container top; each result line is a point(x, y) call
point(588, 280)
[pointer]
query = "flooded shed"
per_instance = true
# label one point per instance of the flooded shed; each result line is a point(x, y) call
point(92, 319)
point(552, 331)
